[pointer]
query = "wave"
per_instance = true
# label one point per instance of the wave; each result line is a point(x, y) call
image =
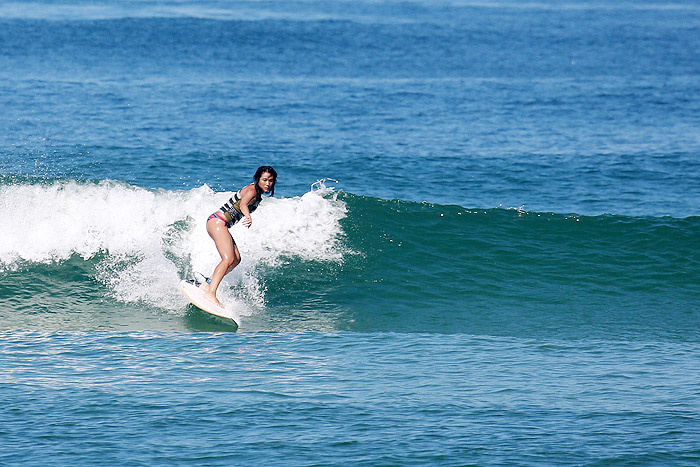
point(142, 241)
point(332, 260)
point(451, 269)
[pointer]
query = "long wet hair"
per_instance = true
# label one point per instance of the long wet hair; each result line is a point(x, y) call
point(258, 173)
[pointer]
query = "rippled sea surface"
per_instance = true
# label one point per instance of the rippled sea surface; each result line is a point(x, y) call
point(482, 248)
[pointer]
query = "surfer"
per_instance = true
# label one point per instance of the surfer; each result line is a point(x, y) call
point(238, 208)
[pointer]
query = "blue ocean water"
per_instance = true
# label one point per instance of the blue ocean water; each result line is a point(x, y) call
point(483, 248)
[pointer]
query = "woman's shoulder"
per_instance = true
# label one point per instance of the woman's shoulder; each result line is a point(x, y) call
point(248, 190)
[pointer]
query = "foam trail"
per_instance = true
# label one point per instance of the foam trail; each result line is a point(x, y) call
point(145, 241)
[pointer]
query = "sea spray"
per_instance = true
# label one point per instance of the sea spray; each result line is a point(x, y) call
point(145, 241)
point(50, 222)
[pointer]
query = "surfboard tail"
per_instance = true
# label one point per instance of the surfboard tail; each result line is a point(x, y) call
point(196, 297)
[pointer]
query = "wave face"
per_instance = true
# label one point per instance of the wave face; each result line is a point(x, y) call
point(527, 273)
point(109, 256)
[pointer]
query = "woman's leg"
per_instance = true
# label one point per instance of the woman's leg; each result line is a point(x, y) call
point(230, 257)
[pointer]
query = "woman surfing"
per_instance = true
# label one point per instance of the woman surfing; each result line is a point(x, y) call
point(238, 208)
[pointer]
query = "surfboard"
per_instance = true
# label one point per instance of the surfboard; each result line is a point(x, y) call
point(195, 295)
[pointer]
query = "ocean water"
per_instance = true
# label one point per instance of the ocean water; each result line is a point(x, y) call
point(484, 246)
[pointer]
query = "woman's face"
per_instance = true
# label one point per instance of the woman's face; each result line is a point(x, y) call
point(266, 182)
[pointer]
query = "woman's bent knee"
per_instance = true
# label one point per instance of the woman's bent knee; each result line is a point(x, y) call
point(229, 262)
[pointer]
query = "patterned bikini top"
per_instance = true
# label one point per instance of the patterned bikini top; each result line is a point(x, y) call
point(232, 209)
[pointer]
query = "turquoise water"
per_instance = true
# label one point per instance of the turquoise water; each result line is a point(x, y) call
point(106, 398)
point(483, 248)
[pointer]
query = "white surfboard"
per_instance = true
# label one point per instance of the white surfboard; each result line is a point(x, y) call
point(196, 297)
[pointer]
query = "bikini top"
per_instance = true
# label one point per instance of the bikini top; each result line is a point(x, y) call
point(232, 209)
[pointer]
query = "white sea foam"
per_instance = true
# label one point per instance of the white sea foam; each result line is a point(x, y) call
point(145, 240)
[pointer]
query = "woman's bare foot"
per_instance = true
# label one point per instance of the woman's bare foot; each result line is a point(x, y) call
point(211, 296)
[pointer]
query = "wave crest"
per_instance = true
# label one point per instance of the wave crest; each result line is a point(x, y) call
point(144, 241)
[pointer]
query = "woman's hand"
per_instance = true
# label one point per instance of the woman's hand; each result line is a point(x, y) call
point(247, 221)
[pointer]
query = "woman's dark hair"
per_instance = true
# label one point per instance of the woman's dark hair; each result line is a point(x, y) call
point(258, 173)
